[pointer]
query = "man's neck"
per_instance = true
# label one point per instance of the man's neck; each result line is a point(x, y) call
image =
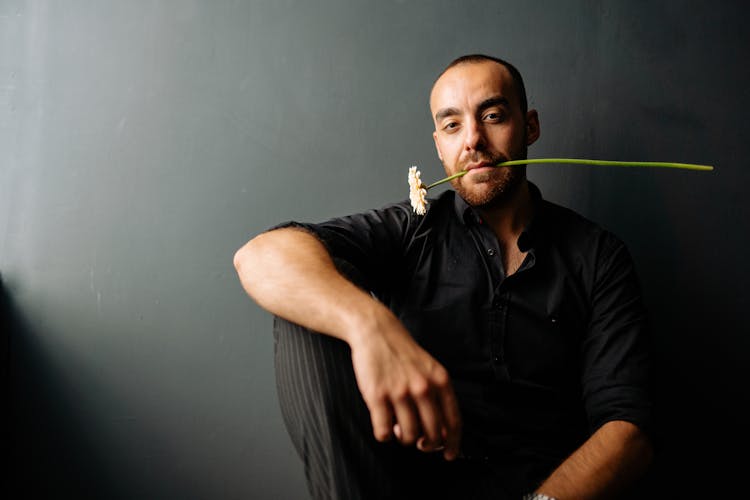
point(508, 217)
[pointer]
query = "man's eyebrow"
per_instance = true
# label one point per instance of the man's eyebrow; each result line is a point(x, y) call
point(446, 112)
point(493, 101)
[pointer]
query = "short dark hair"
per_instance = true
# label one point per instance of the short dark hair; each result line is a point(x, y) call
point(478, 58)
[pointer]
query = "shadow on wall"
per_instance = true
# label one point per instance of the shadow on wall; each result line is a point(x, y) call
point(52, 455)
point(68, 436)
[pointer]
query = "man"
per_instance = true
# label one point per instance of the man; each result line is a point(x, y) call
point(498, 342)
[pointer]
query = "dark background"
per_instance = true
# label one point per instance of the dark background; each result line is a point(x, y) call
point(143, 142)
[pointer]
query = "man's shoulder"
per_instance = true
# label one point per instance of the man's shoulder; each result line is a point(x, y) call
point(567, 226)
point(558, 214)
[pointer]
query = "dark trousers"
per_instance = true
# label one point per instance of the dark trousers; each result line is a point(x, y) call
point(330, 427)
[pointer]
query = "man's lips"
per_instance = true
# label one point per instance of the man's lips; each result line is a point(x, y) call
point(475, 166)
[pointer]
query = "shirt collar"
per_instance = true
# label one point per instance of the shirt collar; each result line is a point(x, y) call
point(531, 236)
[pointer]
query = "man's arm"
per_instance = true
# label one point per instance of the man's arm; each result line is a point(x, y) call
point(615, 378)
point(290, 273)
point(615, 456)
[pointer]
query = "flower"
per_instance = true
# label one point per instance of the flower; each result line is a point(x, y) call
point(417, 191)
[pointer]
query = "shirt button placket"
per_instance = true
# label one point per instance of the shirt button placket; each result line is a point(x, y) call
point(498, 304)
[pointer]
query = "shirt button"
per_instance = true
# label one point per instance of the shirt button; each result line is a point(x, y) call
point(491, 252)
point(496, 359)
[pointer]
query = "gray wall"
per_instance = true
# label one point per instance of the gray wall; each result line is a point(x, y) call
point(142, 142)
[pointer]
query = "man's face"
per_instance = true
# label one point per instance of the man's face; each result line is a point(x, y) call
point(479, 123)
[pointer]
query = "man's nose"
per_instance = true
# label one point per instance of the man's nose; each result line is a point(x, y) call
point(475, 139)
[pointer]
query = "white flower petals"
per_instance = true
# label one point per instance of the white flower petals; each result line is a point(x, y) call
point(417, 192)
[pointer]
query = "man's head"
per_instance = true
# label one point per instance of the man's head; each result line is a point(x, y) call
point(478, 104)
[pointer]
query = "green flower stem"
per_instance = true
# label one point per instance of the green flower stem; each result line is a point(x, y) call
point(580, 161)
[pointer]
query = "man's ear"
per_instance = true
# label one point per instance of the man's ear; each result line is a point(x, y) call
point(532, 127)
point(437, 147)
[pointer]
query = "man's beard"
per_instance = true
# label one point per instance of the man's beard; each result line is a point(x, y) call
point(505, 182)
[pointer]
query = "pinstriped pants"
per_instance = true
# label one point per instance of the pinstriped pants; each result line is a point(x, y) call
point(330, 427)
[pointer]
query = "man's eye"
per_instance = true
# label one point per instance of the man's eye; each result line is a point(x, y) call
point(450, 125)
point(493, 116)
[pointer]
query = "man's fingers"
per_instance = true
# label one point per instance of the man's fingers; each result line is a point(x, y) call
point(431, 418)
point(406, 419)
point(452, 423)
point(382, 421)
point(397, 431)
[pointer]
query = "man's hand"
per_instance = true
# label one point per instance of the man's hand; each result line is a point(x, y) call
point(408, 393)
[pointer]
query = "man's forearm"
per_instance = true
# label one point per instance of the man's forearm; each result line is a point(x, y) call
point(604, 466)
point(289, 273)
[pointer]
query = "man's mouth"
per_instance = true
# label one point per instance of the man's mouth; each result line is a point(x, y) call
point(475, 166)
point(484, 164)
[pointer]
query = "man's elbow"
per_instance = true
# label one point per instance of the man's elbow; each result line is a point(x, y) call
point(256, 256)
point(246, 263)
point(245, 256)
point(239, 258)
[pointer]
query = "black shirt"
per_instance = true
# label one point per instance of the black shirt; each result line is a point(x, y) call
point(539, 359)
